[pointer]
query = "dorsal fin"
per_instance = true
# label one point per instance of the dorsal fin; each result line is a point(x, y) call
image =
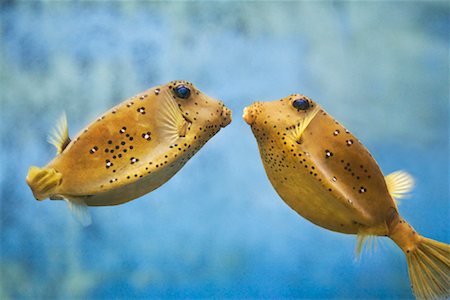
point(60, 135)
point(172, 122)
point(399, 184)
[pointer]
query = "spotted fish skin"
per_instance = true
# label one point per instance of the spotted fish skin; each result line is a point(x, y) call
point(323, 172)
point(136, 146)
point(327, 176)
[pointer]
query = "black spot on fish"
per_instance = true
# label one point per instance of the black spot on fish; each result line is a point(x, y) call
point(146, 136)
point(108, 164)
point(93, 150)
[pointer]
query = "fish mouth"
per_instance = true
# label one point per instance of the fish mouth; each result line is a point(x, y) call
point(226, 116)
point(249, 115)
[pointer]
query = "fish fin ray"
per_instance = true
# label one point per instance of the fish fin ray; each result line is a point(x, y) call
point(365, 243)
point(174, 124)
point(59, 137)
point(399, 184)
point(429, 269)
point(300, 127)
point(79, 210)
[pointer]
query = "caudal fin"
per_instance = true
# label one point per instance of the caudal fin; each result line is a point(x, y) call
point(429, 269)
point(428, 260)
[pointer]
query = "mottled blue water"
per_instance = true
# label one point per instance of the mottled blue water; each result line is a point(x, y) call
point(218, 229)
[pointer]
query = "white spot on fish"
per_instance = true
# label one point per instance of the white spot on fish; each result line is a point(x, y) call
point(146, 136)
point(93, 150)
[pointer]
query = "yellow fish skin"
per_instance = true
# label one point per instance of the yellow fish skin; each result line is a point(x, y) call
point(327, 176)
point(132, 149)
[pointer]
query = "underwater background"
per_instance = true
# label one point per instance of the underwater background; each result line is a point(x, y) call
point(217, 229)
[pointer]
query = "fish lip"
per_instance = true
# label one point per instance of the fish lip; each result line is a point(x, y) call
point(226, 114)
point(249, 116)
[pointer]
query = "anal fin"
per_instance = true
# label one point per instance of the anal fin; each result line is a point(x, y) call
point(79, 210)
point(365, 242)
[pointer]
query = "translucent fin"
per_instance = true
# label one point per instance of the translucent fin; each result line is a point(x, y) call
point(399, 184)
point(172, 122)
point(300, 127)
point(60, 135)
point(365, 242)
point(429, 269)
point(79, 210)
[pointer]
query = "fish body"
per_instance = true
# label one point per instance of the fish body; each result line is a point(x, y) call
point(326, 175)
point(131, 149)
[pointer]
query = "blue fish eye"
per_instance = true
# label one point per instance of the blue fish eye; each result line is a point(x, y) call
point(182, 91)
point(302, 104)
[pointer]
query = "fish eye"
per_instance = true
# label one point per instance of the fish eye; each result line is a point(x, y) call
point(182, 91)
point(301, 104)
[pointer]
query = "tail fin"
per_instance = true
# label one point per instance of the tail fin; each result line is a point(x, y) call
point(43, 182)
point(429, 269)
point(428, 261)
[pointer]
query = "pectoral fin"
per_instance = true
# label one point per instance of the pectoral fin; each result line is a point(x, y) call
point(173, 123)
point(60, 135)
point(300, 127)
point(79, 210)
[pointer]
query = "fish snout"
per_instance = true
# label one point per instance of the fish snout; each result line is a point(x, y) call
point(249, 114)
point(226, 116)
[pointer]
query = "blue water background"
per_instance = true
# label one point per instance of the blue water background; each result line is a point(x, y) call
point(218, 229)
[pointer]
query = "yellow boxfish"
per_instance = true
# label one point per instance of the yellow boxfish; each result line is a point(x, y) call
point(327, 176)
point(130, 150)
